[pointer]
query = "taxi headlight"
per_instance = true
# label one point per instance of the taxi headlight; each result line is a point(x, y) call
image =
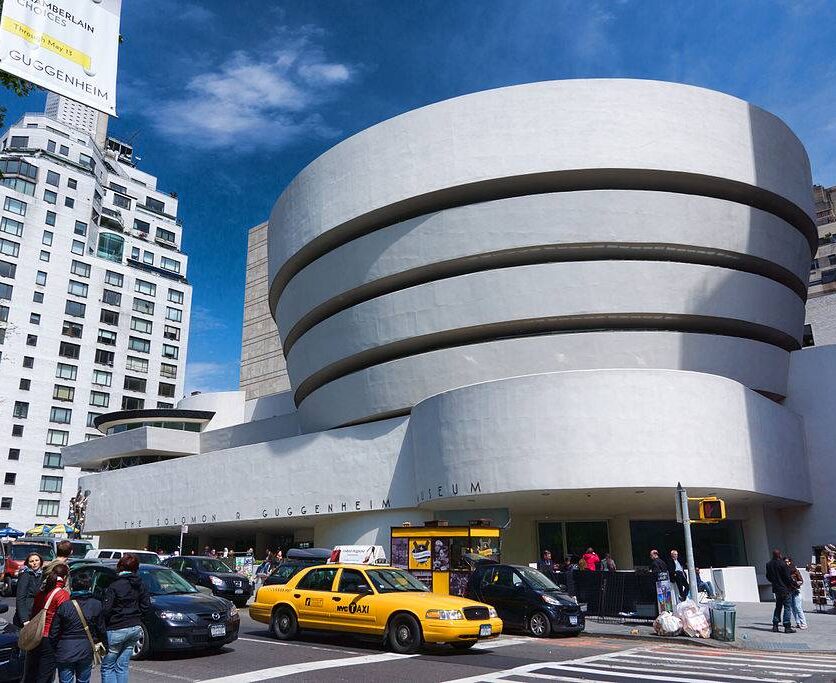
point(445, 614)
point(492, 613)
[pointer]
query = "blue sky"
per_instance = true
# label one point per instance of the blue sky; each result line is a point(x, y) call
point(227, 101)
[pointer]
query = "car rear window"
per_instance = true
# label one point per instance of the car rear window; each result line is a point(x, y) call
point(19, 552)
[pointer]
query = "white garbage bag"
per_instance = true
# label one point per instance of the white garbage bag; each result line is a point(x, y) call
point(666, 624)
point(694, 622)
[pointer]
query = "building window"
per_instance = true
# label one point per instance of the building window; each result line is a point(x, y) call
point(71, 329)
point(17, 430)
point(47, 238)
point(77, 289)
point(13, 205)
point(112, 278)
point(175, 296)
point(40, 278)
point(109, 317)
point(121, 201)
point(69, 202)
point(169, 371)
point(132, 403)
point(75, 309)
point(143, 306)
point(148, 258)
point(72, 183)
point(4, 314)
point(66, 371)
point(5, 290)
point(107, 337)
point(35, 318)
point(78, 248)
point(170, 264)
point(153, 204)
point(142, 226)
point(19, 141)
point(52, 178)
point(50, 146)
point(111, 247)
point(47, 508)
point(91, 419)
point(99, 399)
point(53, 461)
point(64, 150)
point(173, 314)
point(141, 345)
point(44, 256)
point(166, 390)
point(57, 437)
point(104, 357)
point(28, 362)
point(147, 288)
point(102, 377)
point(170, 351)
point(166, 235)
point(67, 350)
point(21, 410)
point(25, 384)
point(60, 415)
point(63, 393)
point(38, 297)
point(10, 479)
point(18, 185)
point(111, 298)
point(135, 384)
point(51, 484)
point(142, 326)
point(31, 340)
point(14, 454)
point(6, 503)
point(9, 248)
point(165, 405)
point(86, 160)
point(136, 364)
point(8, 269)
point(135, 254)
point(50, 197)
point(11, 226)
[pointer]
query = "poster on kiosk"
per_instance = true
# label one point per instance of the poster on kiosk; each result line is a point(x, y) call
point(69, 47)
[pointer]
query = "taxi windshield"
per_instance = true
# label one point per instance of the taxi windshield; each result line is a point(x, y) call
point(395, 581)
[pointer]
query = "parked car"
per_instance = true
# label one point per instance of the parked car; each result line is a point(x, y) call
point(181, 617)
point(214, 574)
point(373, 600)
point(144, 556)
point(11, 656)
point(526, 599)
point(16, 553)
point(295, 561)
point(80, 547)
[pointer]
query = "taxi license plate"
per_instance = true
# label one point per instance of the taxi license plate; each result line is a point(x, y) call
point(238, 591)
point(484, 630)
point(217, 630)
point(573, 621)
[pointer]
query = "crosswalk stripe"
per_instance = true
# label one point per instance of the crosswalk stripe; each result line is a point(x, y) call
point(618, 668)
point(790, 657)
point(742, 660)
point(643, 676)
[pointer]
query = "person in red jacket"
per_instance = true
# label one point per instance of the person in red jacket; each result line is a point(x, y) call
point(592, 559)
point(40, 665)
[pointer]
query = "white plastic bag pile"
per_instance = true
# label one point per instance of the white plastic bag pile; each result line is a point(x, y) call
point(695, 623)
point(666, 624)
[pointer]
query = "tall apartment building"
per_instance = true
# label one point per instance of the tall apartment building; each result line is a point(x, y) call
point(263, 366)
point(821, 304)
point(93, 299)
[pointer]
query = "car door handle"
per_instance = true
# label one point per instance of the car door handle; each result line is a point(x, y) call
point(297, 596)
point(336, 599)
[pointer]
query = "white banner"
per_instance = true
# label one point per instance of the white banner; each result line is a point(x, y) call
point(67, 46)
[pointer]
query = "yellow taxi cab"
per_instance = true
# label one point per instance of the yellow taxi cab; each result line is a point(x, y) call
point(373, 600)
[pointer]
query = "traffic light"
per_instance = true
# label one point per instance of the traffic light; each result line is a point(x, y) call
point(712, 510)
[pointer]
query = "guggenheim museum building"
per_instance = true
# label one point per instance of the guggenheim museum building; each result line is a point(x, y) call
point(542, 305)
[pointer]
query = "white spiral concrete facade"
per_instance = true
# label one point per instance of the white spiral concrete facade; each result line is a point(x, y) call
point(541, 228)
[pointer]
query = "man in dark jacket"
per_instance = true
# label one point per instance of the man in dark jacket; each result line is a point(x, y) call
point(778, 574)
point(677, 572)
point(125, 601)
point(658, 566)
point(67, 634)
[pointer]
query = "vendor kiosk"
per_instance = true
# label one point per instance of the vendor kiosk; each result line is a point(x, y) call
point(442, 557)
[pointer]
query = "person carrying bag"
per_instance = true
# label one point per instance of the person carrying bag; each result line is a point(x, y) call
point(40, 665)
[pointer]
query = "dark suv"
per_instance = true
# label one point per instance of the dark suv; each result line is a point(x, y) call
point(526, 599)
point(212, 573)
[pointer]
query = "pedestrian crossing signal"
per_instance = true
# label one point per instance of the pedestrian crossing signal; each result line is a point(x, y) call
point(712, 510)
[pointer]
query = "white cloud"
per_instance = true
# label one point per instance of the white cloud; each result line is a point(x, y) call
point(208, 376)
point(256, 99)
point(203, 320)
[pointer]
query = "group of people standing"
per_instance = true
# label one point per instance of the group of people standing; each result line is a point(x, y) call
point(271, 561)
point(76, 622)
point(677, 572)
point(786, 582)
point(589, 561)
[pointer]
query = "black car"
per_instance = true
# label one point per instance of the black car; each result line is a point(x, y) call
point(181, 617)
point(11, 656)
point(212, 573)
point(526, 599)
point(297, 560)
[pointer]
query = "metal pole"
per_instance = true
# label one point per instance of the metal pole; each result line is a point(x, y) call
point(689, 546)
point(181, 539)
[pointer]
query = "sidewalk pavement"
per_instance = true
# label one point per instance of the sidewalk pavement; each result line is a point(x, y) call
point(754, 631)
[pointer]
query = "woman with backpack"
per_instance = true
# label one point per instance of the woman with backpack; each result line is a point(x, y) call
point(40, 663)
point(78, 632)
point(28, 583)
point(125, 601)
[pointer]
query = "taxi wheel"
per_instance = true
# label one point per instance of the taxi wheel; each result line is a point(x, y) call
point(284, 624)
point(404, 634)
point(539, 625)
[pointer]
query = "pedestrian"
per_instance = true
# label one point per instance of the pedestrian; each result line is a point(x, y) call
point(796, 604)
point(226, 552)
point(545, 563)
point(778, 574)
point(77, 622)
point(582, 564)
point(28, 583)
point(125, 601)
point(592, 559)
point(676, 573)
point(278, 557)
point(608, 564)
point(706, 587)
point(63, 551)
point(658, 566)
point(40, 663)
point(263, 571)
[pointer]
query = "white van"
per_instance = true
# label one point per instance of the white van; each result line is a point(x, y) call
point(144, 556)
point(359, 554)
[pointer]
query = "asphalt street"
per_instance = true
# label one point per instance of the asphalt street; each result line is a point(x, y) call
point(322, 657)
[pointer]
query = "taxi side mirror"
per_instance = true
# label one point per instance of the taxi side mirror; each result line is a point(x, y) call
point(362, 589)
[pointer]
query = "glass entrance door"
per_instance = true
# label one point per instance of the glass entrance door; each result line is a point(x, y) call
point(573, 538)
